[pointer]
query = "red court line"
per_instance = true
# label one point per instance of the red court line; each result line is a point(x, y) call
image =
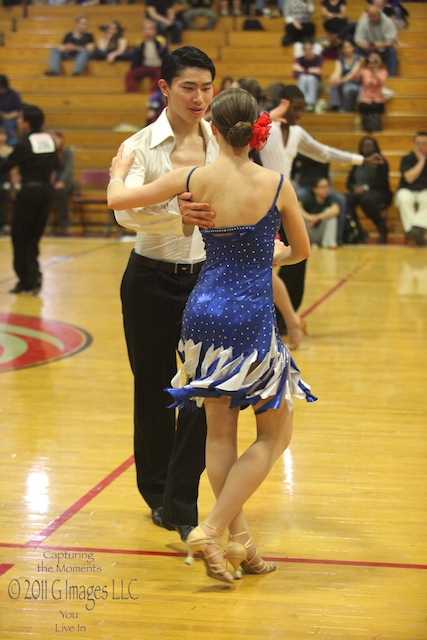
point(37, 540)
point(5, 567)
point(339, 284)
point(177, 554)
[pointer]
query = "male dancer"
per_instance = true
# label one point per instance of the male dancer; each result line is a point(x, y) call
point(285, 141)
point(162, 270)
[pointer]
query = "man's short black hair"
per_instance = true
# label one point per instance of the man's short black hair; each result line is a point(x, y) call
point(183, 58)
point(34, 116)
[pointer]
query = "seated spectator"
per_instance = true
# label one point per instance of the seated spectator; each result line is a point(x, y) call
point(112, 45)
point(262, 10)
point(224, 7)
point(369, 189)
point(77, 45)
point(200, 16)
point(376, 32)
point(344, 88)
point(411, 197)
point(226, 83)
point(155, 105)
point(373, 76)
point(64, 183)
point(147, 59)
point(320, 212)
point(334, 14)
point(304, 172)
point(394, 10)
point(10, 109)
point(298, 23)
point(307, 70)
point(162, 13)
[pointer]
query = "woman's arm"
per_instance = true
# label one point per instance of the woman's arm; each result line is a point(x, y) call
point(164, 188)
point(294, 226)
point(118, 51)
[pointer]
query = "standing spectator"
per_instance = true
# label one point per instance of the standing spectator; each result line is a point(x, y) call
point(146, 60)
point(5, 186)
point(298, 23)
point(64, 183)
point(10, 109)
point(77, 45)
point(344, 87)
point(200, 16)
point(373, 76)
point(320, 211)
point(307, 69)
point(163, 14)
point(411, 197)
point(334, 14)
point(35, 157)
point(112, 45)
point(369, 189)
point(376, 32)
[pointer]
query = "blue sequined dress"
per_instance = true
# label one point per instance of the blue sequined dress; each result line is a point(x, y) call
point(230, 343)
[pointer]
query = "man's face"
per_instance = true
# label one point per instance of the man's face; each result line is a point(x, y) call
point(374, 15)
point(295, 110)
point(420, 145)
point(149, 30)
point(82, 25)
point(189, 95)
point(322, 189)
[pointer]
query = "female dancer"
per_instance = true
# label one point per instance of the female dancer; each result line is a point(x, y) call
point(231, 350)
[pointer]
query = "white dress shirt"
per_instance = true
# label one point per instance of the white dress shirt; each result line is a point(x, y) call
point(279, 157)
point(159, 227)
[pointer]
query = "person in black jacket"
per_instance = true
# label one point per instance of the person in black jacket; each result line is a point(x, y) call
point(369, 189)
point(146, 60)
point(35, 157)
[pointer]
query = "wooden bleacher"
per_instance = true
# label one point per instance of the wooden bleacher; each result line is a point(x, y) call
point(88, 108)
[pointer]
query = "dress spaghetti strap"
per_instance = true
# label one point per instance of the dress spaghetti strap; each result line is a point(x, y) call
point(187, 186)
point(278, 189)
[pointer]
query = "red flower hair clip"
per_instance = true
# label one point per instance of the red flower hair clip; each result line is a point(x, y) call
point(260, 132)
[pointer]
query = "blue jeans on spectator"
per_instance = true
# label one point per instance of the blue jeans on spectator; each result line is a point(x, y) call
point(80, 60)
point(344, 95)
point(340, 198)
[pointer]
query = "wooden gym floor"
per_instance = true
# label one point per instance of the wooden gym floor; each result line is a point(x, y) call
point(343, 512)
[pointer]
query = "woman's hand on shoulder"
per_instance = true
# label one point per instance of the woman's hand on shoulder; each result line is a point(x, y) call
point(119, 167)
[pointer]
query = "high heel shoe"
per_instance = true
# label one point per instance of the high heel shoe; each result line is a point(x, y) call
point(199, 540)
point(235, 554)
point(295, 335)
point(251, 564)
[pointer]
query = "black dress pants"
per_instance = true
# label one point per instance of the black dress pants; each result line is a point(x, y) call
point(293, 275)
point(31, 211)
point(169, 453)
point(372, 203)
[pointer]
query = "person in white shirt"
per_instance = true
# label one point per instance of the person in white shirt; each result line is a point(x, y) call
point(285, 141)
point(162, 270)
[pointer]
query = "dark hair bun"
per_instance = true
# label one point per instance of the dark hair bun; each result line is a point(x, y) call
point(240, 134)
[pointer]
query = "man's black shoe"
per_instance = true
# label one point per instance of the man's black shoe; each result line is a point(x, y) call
point(157, 518)
point(18, 288)
point(183, 530)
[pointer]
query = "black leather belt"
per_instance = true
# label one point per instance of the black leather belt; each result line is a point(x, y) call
point(170, 267)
